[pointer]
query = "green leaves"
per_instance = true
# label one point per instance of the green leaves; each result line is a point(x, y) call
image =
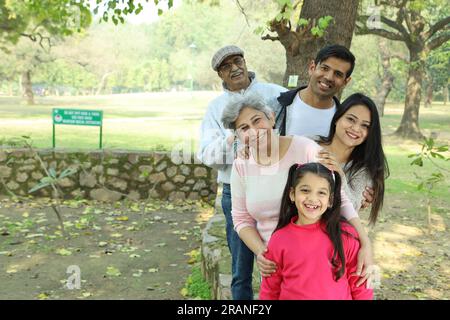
point(302, 22)
point(52, 179)
point(430, 151)
point(321, 26)
point(324, 22)
point(129, 7)
point(113, 271)
point(316, 31)
point(61, 18)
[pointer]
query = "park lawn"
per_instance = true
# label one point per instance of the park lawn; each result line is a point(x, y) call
point(404, 177)
point(178, 104)
point(435, 119)
point(131, 134)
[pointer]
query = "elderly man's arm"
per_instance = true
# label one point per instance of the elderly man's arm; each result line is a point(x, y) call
point(216, 143)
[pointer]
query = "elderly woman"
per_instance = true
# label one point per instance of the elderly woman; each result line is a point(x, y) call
point(257, 183)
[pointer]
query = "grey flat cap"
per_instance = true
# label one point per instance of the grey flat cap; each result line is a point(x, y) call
point(224, 53)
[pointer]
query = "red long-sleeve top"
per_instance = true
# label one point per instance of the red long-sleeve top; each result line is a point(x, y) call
point(304, 271)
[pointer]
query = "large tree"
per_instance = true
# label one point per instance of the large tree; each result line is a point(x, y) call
point(387, 77)
point(437, 68)
point(39, 19)
point(43, 22)
point(301, 26)
point(423, 25)
point(304, 27)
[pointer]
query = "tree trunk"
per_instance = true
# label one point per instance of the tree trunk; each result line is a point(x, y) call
point(27, 89)
point(301, 49)
point(388, 78)
point(409, 126)
point(445, 94)
point(103, 83)
point(429, 93)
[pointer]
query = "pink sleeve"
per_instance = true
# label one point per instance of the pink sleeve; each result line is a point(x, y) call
point(311, 149)
point(239, 213)
point(270, 286)
point(351, 256)
point(347, 209)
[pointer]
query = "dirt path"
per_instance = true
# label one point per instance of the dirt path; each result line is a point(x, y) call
point(129, 252)
point(123, 251)
point(413, 257)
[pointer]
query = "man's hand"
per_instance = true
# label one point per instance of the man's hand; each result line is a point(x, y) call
point(243, 151)
point(329, 160)
point(265, 266)
point(368, 198)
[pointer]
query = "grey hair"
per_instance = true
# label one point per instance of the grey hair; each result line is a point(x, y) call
point(236, 104)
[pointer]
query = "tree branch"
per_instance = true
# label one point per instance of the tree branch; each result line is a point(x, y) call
point(442, 24)
point(34, 38)
point(437, 41)
point(241, 8)
point(400, 57)
point(395, 3)
point(390, 23)
point(394, 25)
point(408, 22)
point(268, 37)
point(362, 30)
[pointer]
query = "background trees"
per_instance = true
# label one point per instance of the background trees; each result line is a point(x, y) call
point(402, 50)
point(423, 26)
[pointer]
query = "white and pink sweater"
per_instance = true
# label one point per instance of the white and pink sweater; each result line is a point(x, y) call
point(256, 190)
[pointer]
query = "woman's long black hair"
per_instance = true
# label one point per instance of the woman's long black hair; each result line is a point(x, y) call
point(368, 155)
point(331, 219)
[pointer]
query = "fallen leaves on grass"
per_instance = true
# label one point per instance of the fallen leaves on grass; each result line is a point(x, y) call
point(113, 272)
point(63, 252)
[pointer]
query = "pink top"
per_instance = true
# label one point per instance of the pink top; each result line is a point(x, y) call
point(304, 271)
point(256, 190)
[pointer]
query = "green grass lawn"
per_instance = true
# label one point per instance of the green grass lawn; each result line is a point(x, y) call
point(136, 121)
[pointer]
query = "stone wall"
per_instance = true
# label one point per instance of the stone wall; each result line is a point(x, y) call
point(216, 258)
point(108, 175)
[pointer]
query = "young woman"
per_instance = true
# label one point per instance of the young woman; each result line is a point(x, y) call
point(314, 248)
point(355, 141)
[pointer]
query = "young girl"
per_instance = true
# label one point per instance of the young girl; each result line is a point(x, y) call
point(315, 250)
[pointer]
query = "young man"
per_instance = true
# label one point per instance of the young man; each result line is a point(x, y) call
point(217, 151)
point(308, 110)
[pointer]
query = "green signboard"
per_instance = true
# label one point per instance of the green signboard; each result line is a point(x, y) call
point(77, 117)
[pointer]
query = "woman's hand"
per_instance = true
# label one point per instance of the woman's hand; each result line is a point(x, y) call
point(365, 263)
point(265, 266)
point(329, 160)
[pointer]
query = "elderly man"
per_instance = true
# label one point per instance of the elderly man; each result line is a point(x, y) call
point(217, 150)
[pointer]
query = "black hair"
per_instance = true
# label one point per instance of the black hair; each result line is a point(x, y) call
point(368, 155)
point(336, 51)
point(331, 219)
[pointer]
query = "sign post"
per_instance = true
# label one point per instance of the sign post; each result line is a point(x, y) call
point(78, 117)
